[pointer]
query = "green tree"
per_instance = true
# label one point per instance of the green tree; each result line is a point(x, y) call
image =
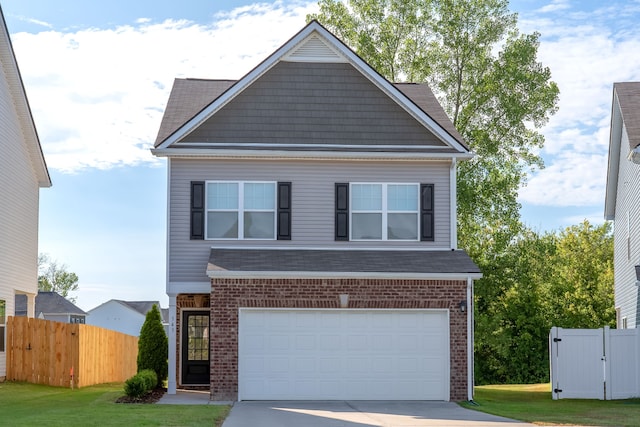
point(54, 277)
point(511, 322)
point(562, 278)
point(580, 294)
point(486, 76)
point(153, 350)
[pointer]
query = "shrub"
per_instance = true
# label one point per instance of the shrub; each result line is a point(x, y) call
point(141, 383)
point(153, 350)
point(149, 377)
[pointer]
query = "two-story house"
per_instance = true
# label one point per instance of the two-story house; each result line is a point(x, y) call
point(23, 172)
point(311, 246)
point(622, 203)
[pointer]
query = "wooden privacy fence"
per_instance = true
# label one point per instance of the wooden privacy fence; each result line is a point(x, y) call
point(67, 355)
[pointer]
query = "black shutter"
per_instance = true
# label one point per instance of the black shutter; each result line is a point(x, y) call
point(426, 213)
point(284, 211)
point(342, 211)
point(197, 210)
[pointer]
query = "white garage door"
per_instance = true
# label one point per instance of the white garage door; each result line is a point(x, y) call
point(343, 354)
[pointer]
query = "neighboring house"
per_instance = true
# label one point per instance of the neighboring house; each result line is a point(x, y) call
point(52, 306)
point(312, 231)
point(125, 316)
point(23, 172)
point(622, 204)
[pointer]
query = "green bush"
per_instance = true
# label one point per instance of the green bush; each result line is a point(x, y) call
point(135, 386)
point(149, 377)
point(141, 383)
point(153, 346)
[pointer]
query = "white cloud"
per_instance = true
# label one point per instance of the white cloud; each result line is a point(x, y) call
point(587, 52)
point(97, 96)
point(573, 179)
point(555, 6)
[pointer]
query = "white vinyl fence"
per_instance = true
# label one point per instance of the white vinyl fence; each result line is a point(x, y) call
point(595, 363)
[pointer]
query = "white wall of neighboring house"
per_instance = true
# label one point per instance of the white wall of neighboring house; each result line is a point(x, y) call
point(627, 237)
point(22, 173)
point(116, 316)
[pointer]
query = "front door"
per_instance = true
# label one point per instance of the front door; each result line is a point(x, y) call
point(195, 348)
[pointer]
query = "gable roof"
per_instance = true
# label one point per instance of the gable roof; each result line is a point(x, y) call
point(47, 303)
point(625, 114)
point(190, 96)
point(312, 44)
point(140, 307)
point(9, 65)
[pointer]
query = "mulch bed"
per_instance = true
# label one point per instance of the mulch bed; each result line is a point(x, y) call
point(152, 397)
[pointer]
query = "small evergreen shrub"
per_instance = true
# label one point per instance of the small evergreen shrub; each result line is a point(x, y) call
point(135, 386)
point(149, 377)
point(153, 346)
point(141, 383)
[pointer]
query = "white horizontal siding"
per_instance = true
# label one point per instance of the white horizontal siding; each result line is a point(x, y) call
point(312, 203)
point(627, 203)
point(18, 209)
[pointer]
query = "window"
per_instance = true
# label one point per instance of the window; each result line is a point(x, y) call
point(240, 210)
point(384, 211)
point(74, 318)
point(3, 315)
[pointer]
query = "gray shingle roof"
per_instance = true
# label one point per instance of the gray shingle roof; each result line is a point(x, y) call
point(48, 303)
point(628, 94)
point(341, 261)
point(189, 96)
point(143, 307)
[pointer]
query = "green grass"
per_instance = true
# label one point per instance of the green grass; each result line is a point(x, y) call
point(24, 404)
point(533, 403)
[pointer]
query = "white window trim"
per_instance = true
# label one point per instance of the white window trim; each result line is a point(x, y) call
point(384, 211)
point(241, 210)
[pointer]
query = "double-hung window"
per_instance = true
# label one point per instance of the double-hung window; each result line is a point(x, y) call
point(384, 211)
point(240, 210)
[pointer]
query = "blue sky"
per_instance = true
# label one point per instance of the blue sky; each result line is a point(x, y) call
point(98, 75)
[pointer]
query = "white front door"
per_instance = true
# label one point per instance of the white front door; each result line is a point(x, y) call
point(309, 354)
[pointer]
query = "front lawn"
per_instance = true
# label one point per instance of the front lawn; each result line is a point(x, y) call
point(533, 403)
point(29, 405)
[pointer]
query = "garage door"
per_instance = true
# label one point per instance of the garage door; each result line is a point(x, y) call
point(343, 354)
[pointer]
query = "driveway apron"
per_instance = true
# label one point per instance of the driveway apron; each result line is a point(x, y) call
point(360, 414)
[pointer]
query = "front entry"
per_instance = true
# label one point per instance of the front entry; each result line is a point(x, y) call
point(195, 348)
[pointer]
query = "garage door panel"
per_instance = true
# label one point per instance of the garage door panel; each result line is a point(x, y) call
point(343, 354)
point(305, 343)
point(278, 342)
point(329, 342)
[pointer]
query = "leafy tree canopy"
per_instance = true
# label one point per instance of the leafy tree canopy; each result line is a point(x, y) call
point(560, 279)
point(54, 277)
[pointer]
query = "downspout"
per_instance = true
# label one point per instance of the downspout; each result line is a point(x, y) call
point(453, 189)
point(470, 340)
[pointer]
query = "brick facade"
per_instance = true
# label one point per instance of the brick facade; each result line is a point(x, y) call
point(230, 294)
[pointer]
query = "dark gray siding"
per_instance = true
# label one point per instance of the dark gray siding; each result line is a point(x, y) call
point(312, 103)
point(312, 202)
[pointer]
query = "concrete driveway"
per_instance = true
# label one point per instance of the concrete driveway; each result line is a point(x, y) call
point(360, 414)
